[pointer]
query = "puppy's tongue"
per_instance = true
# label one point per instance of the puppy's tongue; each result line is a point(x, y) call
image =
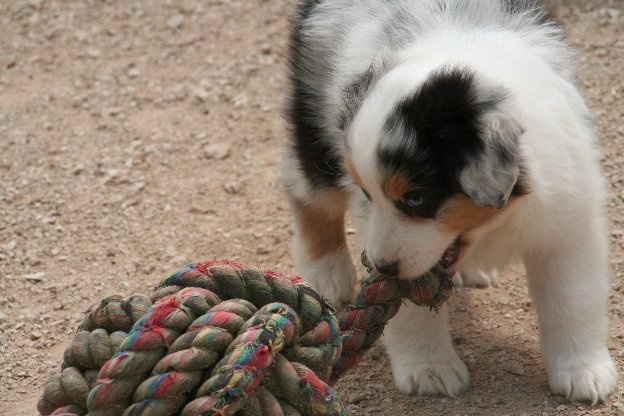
point(452, 253)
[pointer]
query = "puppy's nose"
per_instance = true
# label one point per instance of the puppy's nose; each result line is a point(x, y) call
point(388, 268)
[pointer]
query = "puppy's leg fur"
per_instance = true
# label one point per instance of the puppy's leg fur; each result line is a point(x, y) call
point(479, 278)
point(422, 354)
point(418, 341)
point(320, 249)
point(570, 287)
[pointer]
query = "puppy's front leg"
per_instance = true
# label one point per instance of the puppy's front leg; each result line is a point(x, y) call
point(570, 289)
point(320, 249)
point(422, 354)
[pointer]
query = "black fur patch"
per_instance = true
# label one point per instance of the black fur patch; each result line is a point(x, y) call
point(315, 151)
point(433, 133)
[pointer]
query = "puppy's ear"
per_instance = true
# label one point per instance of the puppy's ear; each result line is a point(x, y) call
point(490, 176)
point(354, 93)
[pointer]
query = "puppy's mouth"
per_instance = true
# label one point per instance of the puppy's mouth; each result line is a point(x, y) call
point(451, 257)
point(433, 287)
point(454, 253)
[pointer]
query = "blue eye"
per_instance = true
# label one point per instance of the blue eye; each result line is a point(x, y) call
point(414, 200)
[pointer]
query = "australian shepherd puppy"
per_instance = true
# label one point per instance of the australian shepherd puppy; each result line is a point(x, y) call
point(452, 129)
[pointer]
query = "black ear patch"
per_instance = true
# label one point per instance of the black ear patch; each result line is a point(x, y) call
point(452, 136)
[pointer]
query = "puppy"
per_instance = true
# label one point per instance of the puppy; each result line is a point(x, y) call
point(451, 129)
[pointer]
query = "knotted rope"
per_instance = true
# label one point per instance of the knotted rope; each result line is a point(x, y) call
point(217, 338)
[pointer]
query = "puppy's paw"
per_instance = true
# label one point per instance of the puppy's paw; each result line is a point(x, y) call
point(591, 382)
point(442, 375)
point(333, 276)
point(474, 278)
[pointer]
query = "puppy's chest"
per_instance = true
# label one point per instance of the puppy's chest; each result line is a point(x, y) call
point(496, 250)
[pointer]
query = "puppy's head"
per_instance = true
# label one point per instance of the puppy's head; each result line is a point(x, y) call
point(434, 167)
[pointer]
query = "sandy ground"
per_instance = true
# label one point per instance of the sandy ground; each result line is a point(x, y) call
point(136, 136)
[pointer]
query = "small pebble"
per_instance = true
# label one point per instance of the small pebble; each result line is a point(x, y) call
point(217, 151)
point(3, 318)
point(560, 399)
point(381, 388)
point(175, 21)
point(352, 409)
point(516, 368)
point(34, 277)
point(233, 187)
point(614, 14)
point(263, 250)
point(201, 94)
point(356, 398)
point(471, 362)
point(375, 354)
point(114, 111)
point(93, 53)
point(10, 246)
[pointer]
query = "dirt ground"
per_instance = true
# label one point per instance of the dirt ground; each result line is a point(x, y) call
point(137, 136)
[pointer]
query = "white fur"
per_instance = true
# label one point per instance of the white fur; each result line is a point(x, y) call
point(333, 275)
point(426, 362)
point(558, 229)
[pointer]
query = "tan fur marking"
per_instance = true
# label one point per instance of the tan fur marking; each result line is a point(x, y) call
point(322, 226)
point(395, 186)
point(353, 173)
point(461, 214)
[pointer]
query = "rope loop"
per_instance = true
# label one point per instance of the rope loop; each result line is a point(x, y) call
point(218, 338)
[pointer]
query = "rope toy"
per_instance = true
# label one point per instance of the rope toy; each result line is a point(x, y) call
point(218, 338)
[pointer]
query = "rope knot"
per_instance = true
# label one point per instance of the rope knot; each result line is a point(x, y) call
point(216, 337)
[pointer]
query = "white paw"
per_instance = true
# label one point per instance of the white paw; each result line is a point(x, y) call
point(439, 376)
point(474, 278)
point(333, 276)
point(591, 382)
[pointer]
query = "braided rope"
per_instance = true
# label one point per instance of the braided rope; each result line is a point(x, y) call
point(217, 338)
